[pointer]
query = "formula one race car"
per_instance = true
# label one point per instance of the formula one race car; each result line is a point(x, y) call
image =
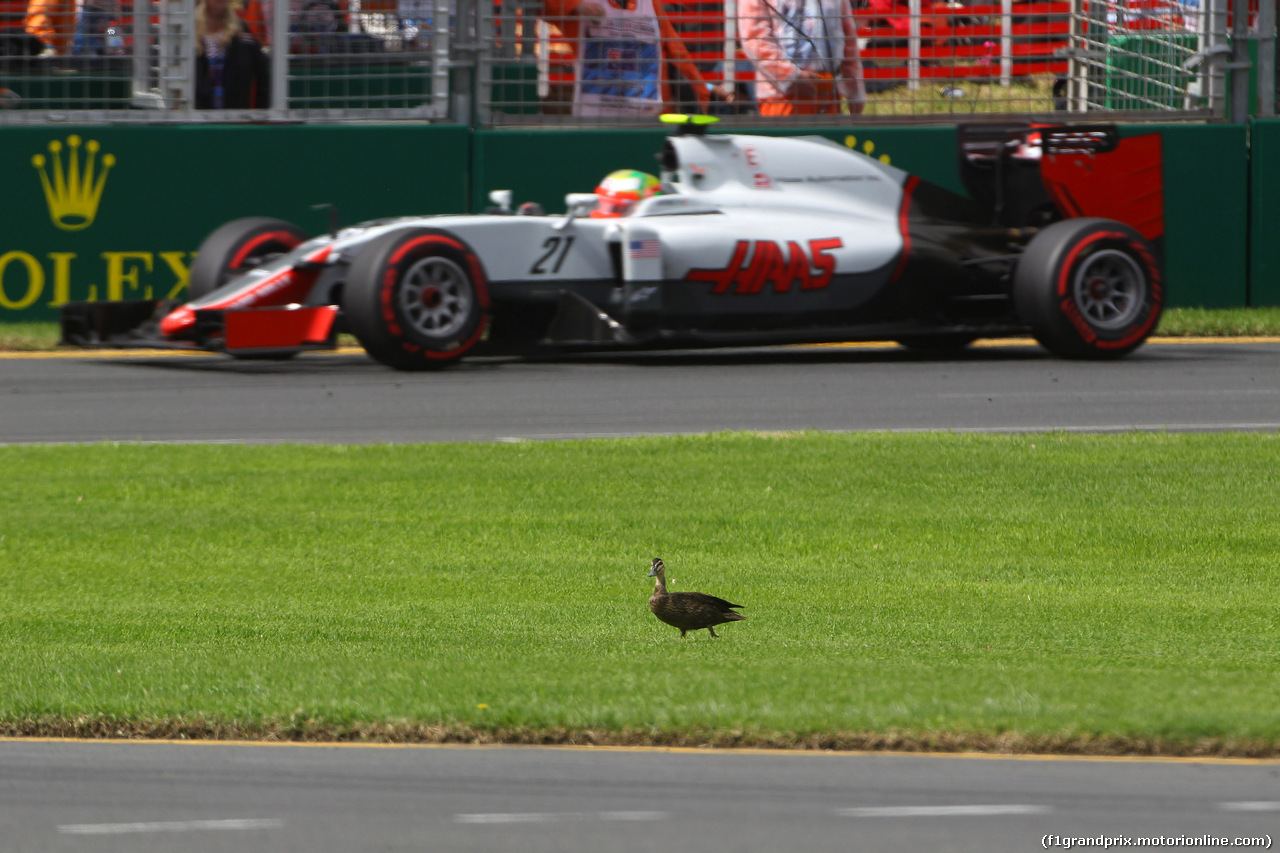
point(745, 240)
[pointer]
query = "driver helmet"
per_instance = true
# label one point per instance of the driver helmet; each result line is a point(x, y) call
point(620, 191)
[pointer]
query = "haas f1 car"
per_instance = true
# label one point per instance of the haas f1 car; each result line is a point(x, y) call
point(748, 240)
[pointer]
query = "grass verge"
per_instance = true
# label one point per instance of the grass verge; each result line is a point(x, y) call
point(1096, 594)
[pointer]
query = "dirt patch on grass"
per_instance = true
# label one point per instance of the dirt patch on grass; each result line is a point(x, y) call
point(308, 731)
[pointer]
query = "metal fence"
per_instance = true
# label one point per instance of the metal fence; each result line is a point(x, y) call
point(602, 62)
point(143, 60)
point(1165, 60)
point(919, 61)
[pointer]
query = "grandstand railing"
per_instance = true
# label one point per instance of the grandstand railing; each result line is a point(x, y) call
point(513, 62)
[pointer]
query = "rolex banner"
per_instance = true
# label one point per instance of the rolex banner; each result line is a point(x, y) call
point(94, 213)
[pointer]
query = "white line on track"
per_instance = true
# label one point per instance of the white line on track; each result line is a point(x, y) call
point(1226, 426)
point(555, 817)
point(945, 811)
point(1251, 806)
point(168, 826)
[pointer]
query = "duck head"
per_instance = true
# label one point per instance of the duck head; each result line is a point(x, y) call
point(657, 569)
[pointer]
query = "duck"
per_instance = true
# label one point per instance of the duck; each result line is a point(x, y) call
point(688, 611)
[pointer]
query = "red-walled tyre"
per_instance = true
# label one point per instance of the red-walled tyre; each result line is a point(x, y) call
point(238, 247)
point(416, 299)
point(1089, 288)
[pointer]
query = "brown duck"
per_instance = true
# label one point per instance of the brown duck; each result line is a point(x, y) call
point(688, 611)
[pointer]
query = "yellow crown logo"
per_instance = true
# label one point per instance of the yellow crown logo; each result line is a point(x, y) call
point(75, 190)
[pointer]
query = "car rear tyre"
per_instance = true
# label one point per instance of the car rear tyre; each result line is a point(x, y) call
point(416, 299)
point(1089, 288)
point(238, 247)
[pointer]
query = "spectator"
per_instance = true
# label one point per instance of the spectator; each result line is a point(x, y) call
point(805, 54)
point(256, 15)
point(623, 48)
point(231, 70)
point(100, 30)
point(733, 96)
point(54, 23)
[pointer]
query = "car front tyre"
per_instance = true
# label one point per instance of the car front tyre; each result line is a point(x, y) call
point(416, 299)
point(237, 247)
point(1089, 288)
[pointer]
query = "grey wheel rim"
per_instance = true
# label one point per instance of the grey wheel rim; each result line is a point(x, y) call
point(1109, 289)
point(435, 297)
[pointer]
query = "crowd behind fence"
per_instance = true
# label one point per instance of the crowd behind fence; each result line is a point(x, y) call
point(592, 62)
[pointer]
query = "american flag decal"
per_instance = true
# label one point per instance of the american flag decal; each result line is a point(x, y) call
point(644, 249)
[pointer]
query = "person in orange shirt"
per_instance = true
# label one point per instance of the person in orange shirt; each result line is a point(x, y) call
point(53, 22)
point(805, 54)
point(622, 49)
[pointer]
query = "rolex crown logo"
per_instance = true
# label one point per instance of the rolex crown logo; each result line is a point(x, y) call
point(75, 189)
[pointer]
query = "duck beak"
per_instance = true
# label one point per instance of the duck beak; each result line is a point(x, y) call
point(653, 571)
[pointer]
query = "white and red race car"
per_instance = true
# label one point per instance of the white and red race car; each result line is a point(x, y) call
point(754, 240)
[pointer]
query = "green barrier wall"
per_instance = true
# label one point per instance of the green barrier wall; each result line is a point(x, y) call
point(130, 229)
point(1205, 184)
point(1264, 213)
point(1206, 219)
point(121, 214)
point(544, 165)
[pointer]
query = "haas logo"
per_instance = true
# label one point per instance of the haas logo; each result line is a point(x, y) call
point(757, 262)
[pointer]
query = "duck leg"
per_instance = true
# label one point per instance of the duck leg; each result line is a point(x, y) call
point(713, 632)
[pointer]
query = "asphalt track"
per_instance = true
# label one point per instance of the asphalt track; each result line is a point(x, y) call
point(193, 798)
point(185, 797)
point(345, 397)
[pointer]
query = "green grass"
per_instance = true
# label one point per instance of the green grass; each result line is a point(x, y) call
point(1029, 95)
point(27, 336)
point(1202, 322)
point(1078, 593)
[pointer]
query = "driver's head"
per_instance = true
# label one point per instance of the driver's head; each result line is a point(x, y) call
point(622, 190)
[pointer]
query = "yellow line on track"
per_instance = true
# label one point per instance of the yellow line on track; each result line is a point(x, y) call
point(983, 342)
point(679, 750)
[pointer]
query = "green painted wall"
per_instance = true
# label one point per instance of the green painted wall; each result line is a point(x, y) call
point(1264, 213)
point(1206, 216)
point(544, 165)
point(167, 187)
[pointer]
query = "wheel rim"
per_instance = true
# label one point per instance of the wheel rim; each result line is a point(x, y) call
point(1109, 289)
point(435, 296)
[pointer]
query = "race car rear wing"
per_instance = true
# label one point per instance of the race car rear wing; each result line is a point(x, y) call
point(1029, 175)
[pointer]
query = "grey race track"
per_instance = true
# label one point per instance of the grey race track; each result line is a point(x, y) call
point(348, 398)
point(98, 797)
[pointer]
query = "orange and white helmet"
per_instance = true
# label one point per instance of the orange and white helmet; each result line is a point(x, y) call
point(620, 191)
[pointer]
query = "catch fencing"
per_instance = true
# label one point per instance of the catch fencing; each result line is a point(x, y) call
point(499, 63)
point(136, 60)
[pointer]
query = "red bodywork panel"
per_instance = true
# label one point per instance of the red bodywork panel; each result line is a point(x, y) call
point(278, 328)
point(284, 287)
point(1125, 184)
